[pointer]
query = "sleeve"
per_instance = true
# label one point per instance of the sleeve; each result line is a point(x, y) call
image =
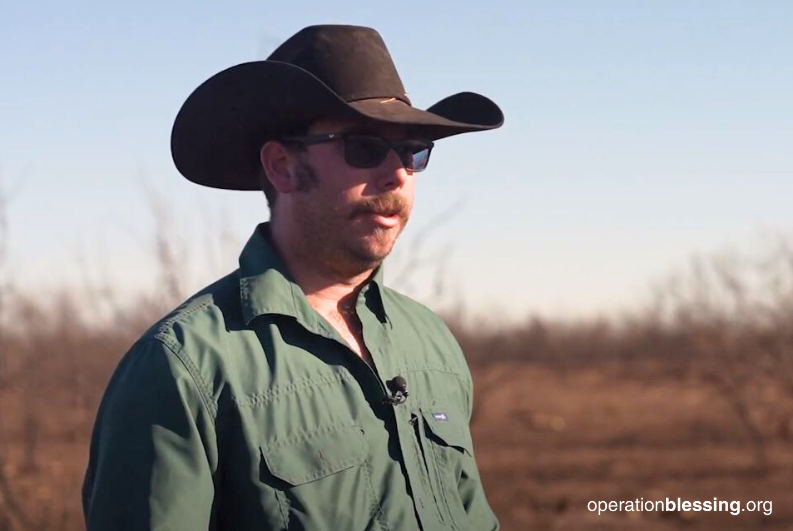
point(469, 484)
point(153, 449)
point(472, 493)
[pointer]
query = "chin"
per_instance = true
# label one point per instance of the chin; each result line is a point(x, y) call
point(372, 254)
point(376, 256)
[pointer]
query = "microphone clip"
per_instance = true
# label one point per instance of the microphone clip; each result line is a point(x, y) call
point(399, 391)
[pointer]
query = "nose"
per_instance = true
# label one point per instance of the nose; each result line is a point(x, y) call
point(392, 173)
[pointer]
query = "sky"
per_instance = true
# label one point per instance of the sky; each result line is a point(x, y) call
point(636, 134)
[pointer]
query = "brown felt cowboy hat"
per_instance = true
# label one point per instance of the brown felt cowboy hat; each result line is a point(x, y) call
point(321, 71)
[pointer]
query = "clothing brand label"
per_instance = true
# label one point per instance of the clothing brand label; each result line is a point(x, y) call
point(440, 416)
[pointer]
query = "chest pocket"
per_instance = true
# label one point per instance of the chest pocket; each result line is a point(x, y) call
point(447, 428)
point(316, 455)
point(321, 479)
point(447, 442)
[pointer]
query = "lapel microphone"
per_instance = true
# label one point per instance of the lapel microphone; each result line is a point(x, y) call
point(399, 391)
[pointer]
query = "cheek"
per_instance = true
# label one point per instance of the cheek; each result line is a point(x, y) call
point(331, 192)
point(339, 201)
point(410, 191)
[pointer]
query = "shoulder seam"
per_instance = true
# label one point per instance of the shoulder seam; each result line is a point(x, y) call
point(187, 310)
point(203, 388)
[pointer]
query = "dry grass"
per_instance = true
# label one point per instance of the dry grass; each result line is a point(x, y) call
point(692, 398)
point(549, 438)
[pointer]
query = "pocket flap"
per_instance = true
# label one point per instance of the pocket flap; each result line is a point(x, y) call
point(448, 426)
point(317, 455)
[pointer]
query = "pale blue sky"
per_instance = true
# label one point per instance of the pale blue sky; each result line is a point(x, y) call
point(636, 134)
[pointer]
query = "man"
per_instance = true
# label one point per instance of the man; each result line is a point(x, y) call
point(299, 392)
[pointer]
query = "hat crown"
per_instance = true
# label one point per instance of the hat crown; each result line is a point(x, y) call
point(353, 61)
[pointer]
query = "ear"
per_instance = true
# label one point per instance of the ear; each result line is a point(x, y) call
point(278, 162)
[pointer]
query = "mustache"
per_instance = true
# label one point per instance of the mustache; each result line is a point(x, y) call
point(386, 204)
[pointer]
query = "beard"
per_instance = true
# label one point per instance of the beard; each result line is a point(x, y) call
point(329, 233)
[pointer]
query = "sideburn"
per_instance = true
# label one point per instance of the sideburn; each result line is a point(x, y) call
point(307, 177)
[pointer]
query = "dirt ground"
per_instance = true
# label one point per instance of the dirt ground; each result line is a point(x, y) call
point(548, 441)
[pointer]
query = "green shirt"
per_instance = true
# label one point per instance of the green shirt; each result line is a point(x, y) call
point(245, 409)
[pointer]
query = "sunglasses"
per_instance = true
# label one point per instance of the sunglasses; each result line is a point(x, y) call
point(369, 151)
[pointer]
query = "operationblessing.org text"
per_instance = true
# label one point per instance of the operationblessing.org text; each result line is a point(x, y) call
point(733, 507)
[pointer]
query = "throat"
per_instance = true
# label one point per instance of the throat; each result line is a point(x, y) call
point(349, 327)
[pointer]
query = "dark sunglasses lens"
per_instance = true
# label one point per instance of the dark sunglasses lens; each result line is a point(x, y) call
point(420, 159)
point(370, 151)
point(414, 154)
point(365, 151)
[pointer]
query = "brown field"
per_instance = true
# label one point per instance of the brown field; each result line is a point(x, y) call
point(691, 398)
point(550, 437)
point(550, 441)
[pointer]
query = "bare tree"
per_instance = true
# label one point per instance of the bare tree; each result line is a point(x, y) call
point(15, 517)
point(734, 311)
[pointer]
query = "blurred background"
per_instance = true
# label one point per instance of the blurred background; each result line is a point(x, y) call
point(616, 261)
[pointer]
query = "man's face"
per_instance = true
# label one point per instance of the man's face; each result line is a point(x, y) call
point(350, 217)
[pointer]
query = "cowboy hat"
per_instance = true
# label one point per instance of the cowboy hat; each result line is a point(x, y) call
point(321, 71)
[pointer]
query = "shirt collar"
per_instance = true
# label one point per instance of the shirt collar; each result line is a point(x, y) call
point(266, 287)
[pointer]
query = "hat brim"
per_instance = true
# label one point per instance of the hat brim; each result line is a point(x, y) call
point(220, 128)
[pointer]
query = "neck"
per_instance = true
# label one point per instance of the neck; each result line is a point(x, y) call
point(326, 289)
